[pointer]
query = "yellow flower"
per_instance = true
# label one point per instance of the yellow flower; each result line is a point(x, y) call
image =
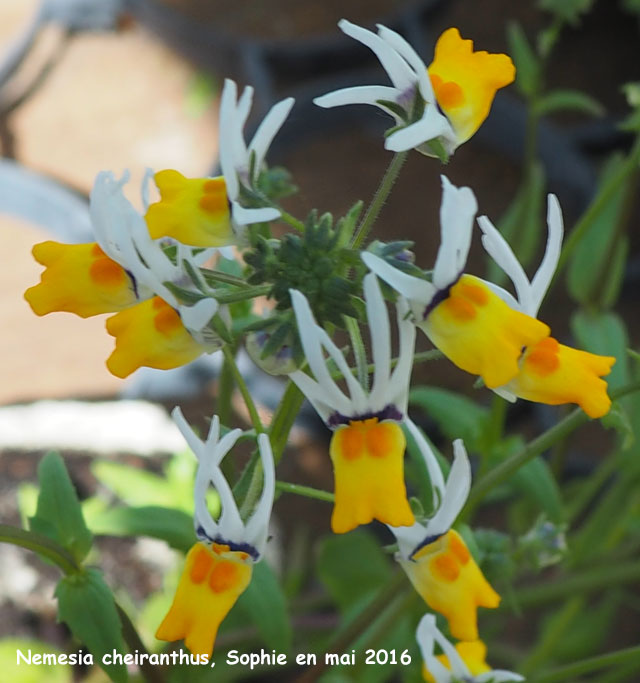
point(549, 372)
point(194, 211)
point(212, 580)
point(473, 654)
point(480, 333)
point(465, 82)
point(367, 446)
point(445, 103)
point(368, 463)
point(448, 579)
point(80, 279)
point(553, 373)
point(151, 334)
point(218, 568)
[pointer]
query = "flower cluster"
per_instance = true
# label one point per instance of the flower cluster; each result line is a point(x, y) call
point(153, 270)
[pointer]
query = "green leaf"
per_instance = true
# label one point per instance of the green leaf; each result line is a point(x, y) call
point(568, 100)
point(615, 277)
point(166, 524)
point(604, 334)
point(352, 566)
point(457, 416)
point(140, 488)
point(87, 607)
point(593, 258)
point(31, 673)
point(528, 70)
point(535, 481)
point(264, 604)
point(568, 10)
point(59, 515)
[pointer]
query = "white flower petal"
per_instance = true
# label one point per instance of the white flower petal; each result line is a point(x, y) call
point(498, 676)
point(257, 526)
point(457, 211)
point(380, 331)
point(196, 317)
point(267, 130)
point(398, 388)
point(456, 492)
point(413, 288)
point(361, 94)
point(243, 216)
point(310, 338)
point(406, 51)
point(500, 251)
point(544, 275)
point(229, 128)
point(408, 538)
point(432, 125)
point(397, 69)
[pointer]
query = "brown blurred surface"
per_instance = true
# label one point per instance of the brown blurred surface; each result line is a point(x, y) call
point(113, 101)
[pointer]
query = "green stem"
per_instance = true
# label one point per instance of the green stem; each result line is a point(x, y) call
point(284, 418)
point(215, 276)
point(224, 297)
point(379, 198)
point(505, 469)
point(134, 643)
point(246, 395)
point(306, 491)
point(598, 204)
point(42, 545)
point(540, 444)
point(594, 579)
point(360, 353)
point(291, 220)
point(569, 672)
point(367, 617)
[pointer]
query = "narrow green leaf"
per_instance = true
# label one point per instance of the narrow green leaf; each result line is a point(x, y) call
point(535, 481)
point(527, 65)
point(265, 604)
point(615, 276)
point(59, 515)
point(591, 261)
point(86, 606)
point(568, 100)
point(352, 566)
point(166, 524)
point(567, 10)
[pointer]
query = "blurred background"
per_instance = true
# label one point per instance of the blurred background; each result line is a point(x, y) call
point(87, 85)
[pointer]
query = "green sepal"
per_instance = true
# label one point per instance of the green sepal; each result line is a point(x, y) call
point(87, 607)
point(59, 515)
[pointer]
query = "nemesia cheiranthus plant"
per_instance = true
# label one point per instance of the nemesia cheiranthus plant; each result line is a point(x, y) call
point(331, 310)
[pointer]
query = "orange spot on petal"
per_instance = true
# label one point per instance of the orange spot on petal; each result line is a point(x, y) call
point(223, 577)
point(380, 440)
point(201, 565)
point(213, 203)
point(445, 567)
point(543, 358)
point(352, 442)
point(450, 95)
point(103, 271)
point(478, 295)
point(459, 549)
point(167, 321)
point(460, 308)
